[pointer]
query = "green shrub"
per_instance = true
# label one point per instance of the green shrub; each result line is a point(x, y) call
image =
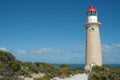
point(105, 73)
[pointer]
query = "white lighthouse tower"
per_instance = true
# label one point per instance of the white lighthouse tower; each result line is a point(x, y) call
point(93, 45)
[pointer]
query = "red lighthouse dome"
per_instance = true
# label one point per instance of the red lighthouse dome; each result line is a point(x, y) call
point(91, 8)
point(92, 11)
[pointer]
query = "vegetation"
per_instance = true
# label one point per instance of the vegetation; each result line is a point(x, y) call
point(10, 69)
point(105, 72)
point(8, 66)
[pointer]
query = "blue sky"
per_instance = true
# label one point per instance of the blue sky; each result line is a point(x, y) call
point(53, 30)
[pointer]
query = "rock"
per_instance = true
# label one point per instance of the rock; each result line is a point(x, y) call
point(75, 77)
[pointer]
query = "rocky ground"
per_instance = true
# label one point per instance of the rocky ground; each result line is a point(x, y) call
point(75, 77)
point(32, 76)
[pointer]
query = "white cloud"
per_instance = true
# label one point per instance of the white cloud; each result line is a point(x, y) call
point(106, 47)
point(21, 52)
point(111, 48)
point(78, 49)
point(57, 50)
point(42, 50)
point(46, 50)
point(111, 59)
point(3, 48)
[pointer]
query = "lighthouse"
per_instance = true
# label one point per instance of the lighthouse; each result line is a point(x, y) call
point(93, 45)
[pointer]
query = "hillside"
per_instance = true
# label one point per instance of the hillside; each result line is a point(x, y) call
point(10, 68)
point(105, 72)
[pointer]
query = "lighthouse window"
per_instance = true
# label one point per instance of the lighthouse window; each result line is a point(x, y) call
point(92, 28)
point(91, 12)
